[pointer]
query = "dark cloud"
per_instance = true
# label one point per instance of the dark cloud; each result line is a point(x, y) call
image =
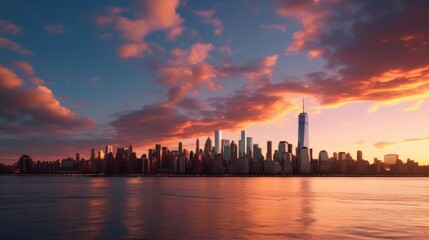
point(377, 49)
point(34, 109)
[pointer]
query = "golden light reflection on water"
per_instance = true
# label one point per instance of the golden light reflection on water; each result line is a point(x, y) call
point(246, 208)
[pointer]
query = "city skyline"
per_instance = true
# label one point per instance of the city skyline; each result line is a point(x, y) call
point(75, 76)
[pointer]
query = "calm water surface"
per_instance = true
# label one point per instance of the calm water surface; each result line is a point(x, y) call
point(213, 208)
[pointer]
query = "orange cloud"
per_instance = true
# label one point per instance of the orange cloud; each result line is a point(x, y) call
point(29, 71)
point(151, 16)
point(33, 109)
point(364, 57)
point(388, 144)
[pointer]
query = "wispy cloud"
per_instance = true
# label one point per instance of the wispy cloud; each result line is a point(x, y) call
point(388, 144)
point(208, 17)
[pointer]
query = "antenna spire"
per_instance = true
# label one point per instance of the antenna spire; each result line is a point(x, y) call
point(303, 104)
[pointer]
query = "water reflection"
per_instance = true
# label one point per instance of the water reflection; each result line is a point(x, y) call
point(214, 208)
point(95, 210)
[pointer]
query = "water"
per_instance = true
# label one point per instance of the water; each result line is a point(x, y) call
point(213, 208)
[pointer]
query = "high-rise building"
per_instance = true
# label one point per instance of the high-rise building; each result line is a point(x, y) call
point(180, 148)
point(197, 147)
point(242, 147)
point(303, 140)
point(249, 144)
point(359, 156)
point(324, 162)
point(283, 147)
point(208, 148)
point(226, 151)
point(100, 154)
point(233, 151)
point(269, 151)
point(109, 149)
point(305, 166)
point(92, 153)
point(257, 152)
point(77, 156)
point(391, 159)
point(218, 137)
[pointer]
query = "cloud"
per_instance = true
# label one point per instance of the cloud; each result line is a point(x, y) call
point(184, 71)
point(152, 16)
point(199, 52)
point(29, 71)
point(9, 28)
point(182, 115)
point(13, 46)
point(415, 106)
point(208, 18)
point(226, 48)
point(389, 144)
point(54, 28)
point(28, 110)
point(278, 27)
point(168, 124)
point(364, 44)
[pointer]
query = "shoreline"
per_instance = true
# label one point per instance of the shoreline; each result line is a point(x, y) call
point(215, 175)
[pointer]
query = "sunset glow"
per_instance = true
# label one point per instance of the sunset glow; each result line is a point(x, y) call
point(76, 76)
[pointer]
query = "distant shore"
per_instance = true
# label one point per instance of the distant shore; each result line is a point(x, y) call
point(205, 175)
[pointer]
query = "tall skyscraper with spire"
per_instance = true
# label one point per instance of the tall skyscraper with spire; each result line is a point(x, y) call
point(303, 140)
point(304, 157)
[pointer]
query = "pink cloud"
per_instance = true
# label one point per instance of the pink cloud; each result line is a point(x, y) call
point(199, 52)
point(208, 18)
point(54, 28)
point(131, 50)
point(151, 17)
point(9, 28)
point(8, 79)
point(13, 46)
point(29, 71)
point(226, 48)
point(30, 110)
point(186, 71)
point(116, 10)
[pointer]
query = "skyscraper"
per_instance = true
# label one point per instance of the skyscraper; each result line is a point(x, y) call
point(180, 148)
point(305, 166)
point(226, 150)
point(242, 147)
point(109, 149)
point(303, 140)
point(249, 149)
point(359, 156)
point(269, 151)
point(233, 154)
point(197, 147)
point(218, 137)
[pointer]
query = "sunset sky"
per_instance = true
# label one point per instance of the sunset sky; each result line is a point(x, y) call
point(81, 74)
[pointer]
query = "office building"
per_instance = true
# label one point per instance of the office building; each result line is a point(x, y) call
point(218, 138)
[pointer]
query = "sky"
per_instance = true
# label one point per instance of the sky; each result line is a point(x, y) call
point(76, 75)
